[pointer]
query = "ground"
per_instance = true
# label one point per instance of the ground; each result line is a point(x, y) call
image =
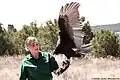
point(80, 69)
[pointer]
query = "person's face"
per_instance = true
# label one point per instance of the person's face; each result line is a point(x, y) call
point(33, 47)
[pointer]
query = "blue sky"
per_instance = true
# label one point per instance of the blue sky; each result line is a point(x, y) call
point(19, 12)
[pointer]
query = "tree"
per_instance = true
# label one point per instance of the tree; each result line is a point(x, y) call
point(105, 43)
point(88, 33)
point(5, 44)
point(51, 33)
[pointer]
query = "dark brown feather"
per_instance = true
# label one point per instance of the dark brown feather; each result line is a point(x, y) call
point(68, 19)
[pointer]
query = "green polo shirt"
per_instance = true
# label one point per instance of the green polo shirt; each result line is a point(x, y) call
point(38, 69)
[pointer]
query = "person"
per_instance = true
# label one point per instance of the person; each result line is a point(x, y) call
point(39, 65)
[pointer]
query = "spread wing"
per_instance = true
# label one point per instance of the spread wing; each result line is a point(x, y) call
point(69, 19)
point(71, 35)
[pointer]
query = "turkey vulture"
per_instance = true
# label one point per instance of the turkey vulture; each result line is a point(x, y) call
point(70, 35)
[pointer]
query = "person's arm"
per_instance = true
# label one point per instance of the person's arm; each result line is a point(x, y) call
point(23, 75)
point(53, 63)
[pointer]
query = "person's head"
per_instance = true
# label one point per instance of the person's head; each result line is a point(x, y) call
point(31, 44)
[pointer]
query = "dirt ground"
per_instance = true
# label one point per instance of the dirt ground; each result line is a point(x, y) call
point(80, 69)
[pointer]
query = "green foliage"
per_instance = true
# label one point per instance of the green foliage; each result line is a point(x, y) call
point(88, 33)
point(12, 41)
point(5, 45)
point(47, 35)
point(105, 43)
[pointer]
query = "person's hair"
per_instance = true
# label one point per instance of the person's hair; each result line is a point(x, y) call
point(28, 41)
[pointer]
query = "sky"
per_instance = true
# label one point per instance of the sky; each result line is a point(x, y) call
point(20, 12)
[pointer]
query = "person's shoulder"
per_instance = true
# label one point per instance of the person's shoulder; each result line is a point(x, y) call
point(26, 58)
point(47, 54)
point(44, 53)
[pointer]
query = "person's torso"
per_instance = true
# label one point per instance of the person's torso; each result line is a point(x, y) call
point(38, 69)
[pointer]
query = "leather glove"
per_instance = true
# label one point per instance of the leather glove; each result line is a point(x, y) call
point(63, 68)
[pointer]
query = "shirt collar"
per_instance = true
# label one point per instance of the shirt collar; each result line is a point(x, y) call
point(31, 57)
